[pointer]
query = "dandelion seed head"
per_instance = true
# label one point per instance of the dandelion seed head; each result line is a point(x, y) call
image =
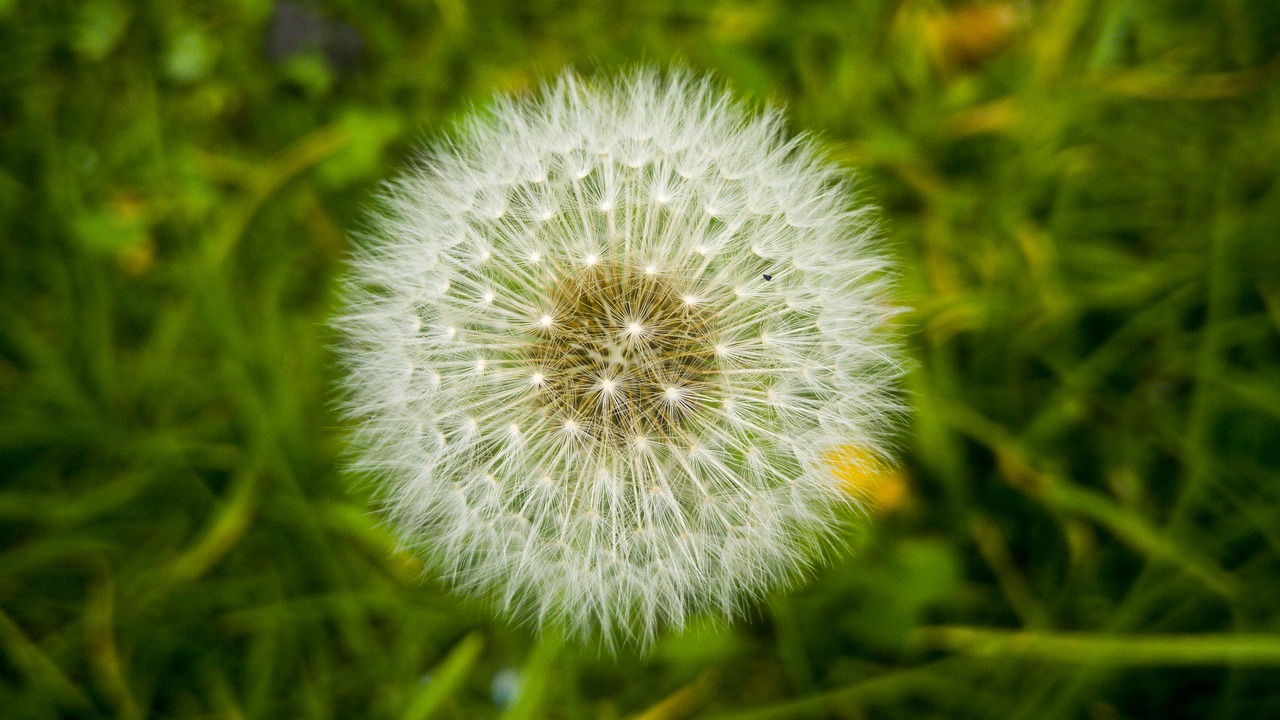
point(636, 317)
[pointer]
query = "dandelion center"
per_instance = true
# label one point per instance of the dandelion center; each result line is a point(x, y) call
point(628, 358)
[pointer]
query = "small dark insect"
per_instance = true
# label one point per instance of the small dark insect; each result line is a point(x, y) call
point(768, 277)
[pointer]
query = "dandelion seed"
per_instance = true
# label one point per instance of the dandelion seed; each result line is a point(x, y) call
point(629, 429)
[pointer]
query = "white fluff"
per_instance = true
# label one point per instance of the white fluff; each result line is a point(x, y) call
point(580, 393)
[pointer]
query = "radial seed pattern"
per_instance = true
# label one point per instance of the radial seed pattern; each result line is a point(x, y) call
point(599, 344)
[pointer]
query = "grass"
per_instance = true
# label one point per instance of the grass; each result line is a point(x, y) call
point(1084, 196)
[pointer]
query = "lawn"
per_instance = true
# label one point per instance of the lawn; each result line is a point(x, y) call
point(1083, 201)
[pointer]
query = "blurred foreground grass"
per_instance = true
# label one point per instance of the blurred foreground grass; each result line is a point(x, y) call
point(1085, 198)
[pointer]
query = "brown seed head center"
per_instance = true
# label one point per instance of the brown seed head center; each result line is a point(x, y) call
point(623, 356)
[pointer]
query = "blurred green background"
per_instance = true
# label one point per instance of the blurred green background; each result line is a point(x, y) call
point(1084, 198)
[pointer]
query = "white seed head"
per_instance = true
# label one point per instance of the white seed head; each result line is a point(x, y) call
point(681, 315)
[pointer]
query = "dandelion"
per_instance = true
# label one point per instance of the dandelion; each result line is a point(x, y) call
point(601, 345)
